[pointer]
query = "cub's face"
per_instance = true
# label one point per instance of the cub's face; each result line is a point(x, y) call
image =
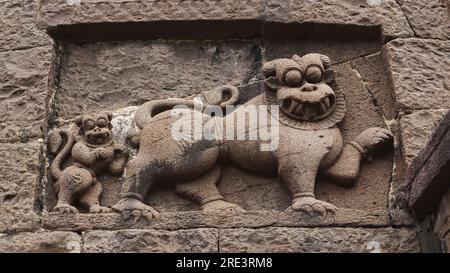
point(96, 129)
point(302, 86)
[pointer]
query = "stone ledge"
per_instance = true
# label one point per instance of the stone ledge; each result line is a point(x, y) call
point(386, 14)
point(198, 219)
point(57, 13)
point(319, 240)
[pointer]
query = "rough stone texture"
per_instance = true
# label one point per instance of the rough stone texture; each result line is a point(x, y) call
point(429, 171)
point(19, 28)
point(23, 89)
point(398, 195)
point(318, 240)
point(447, 243)
point(420, 72)
point(415, 130)
point(339, 50)
point(442, 225)
point(199, 219)
point(372, 71)
point(428, 19)
point(387, 14)
point(192, 240)
point(110, 76)
point(41, 242)
point(19, 173)
point(349, 12)
point(54, 13)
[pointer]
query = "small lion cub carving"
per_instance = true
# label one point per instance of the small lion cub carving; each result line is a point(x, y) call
point(89, 152)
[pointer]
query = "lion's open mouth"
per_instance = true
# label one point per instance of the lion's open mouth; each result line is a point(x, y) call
point(308, 110)
point(98, 138)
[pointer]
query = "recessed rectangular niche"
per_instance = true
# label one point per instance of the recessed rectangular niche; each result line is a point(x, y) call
point(115, 74)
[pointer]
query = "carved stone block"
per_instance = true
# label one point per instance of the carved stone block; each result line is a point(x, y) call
point(191, 240)
point(41, 242)
point(19, 175)
point(24, 84)
point(319, 240)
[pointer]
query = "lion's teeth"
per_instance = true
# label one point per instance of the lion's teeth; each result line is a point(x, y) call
point(299, 110)
point(294, 105)
point(310, 111)
point(322, 108)
point(326, 102)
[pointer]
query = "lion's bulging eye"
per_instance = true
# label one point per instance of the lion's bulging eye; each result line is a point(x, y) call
point(293, 78)
point(314, 74)
point(89, 124)
point(101, 122)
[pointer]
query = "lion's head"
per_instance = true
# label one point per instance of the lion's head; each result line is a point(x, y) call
point(306, 91)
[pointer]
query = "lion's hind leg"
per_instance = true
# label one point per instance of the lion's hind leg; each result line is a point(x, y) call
point(203, 190)
point(73, 181)
point(91, 198)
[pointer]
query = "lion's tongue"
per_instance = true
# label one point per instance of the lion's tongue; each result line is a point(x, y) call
point(309, 111)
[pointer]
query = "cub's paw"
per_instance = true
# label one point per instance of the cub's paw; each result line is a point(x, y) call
point(133, 208)
point(311, 205)
point(371, 138)
point(221, 205)
point(65, 209)
point(101, 153)
point(120, 148)
point(99, 209)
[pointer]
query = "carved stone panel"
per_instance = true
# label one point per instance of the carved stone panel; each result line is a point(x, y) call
point(121, 78)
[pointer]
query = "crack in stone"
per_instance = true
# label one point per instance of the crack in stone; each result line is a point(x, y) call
point(407, 19)
point(23, 48)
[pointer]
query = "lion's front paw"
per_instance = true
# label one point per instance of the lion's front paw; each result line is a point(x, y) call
point(131, 207)
point(99, 209)
point(65, 209)
point(221, 205)
point(311, 205)
point(371, 138)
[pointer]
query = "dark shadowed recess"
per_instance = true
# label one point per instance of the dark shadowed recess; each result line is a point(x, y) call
point(211, 30)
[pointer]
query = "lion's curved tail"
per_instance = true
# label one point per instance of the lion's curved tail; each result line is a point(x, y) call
point(55, 142)
point(222, 96)
point(150, 109)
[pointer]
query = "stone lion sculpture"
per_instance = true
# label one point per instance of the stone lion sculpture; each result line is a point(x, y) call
point(310, 143)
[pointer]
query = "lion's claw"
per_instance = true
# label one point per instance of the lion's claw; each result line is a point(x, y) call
point(65, 209)
point(372, 137)
point(133, 208)
point(311, 205)
point(99, 209)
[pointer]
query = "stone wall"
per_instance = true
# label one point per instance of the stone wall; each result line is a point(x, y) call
point(392, 63)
